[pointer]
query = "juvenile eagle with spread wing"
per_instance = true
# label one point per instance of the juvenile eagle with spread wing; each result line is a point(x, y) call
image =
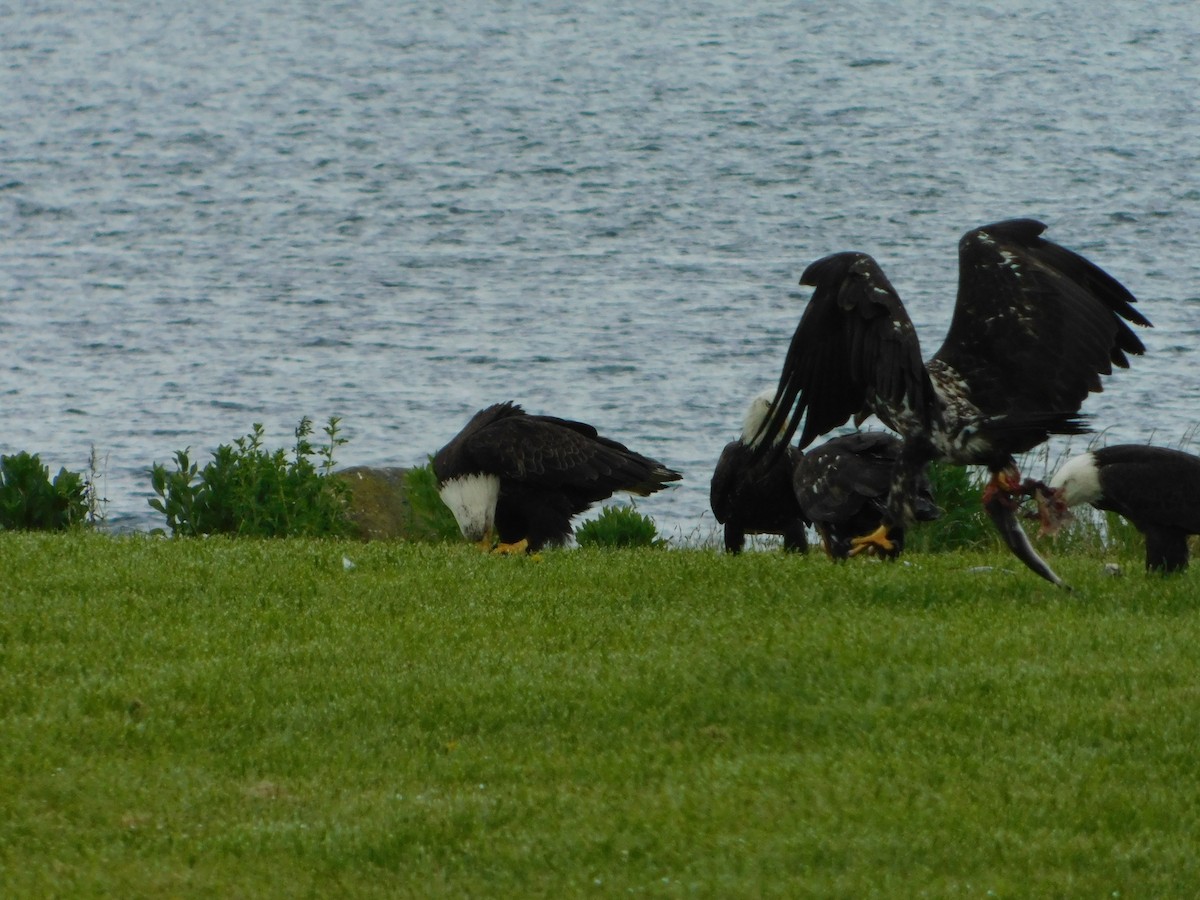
point(522, 478)
point(1034, 327)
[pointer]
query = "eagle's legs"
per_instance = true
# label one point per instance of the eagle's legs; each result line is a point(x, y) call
point(1003, 491)
point(877, 541)
point(900, 512)
point(823, 532)
point(515, 549)
point(490, 544)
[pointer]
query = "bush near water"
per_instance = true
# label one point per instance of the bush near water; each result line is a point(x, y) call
point(248, 490)
point(31, 501)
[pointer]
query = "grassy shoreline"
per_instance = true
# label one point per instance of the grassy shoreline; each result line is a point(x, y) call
point(240, 717)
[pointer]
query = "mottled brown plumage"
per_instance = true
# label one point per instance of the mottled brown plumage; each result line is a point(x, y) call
point(842, 487)
point(1034, 327)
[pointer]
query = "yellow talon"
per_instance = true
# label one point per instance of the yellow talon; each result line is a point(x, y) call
point(516, 549)
point(875, 542)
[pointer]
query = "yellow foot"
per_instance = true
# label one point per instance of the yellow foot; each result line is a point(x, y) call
point(516, 549)
point(875, 542)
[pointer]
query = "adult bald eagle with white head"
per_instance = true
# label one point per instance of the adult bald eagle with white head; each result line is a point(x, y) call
point(752, 494)
point(1156, 488)
point(1034, 327)
point(521, 479)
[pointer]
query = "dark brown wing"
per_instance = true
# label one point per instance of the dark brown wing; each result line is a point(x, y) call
point(575, 453)
point(835, 480)
point(723, 486)
point(1035, 325)
point(1151, 485)
point(854, 351)
point(551, 453)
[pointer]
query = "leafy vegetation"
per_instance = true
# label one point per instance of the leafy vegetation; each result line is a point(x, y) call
point(963, 525)
point(31, 501)
point(619, 526)
point(432, 519)
point(255, 718)
point(248, 490)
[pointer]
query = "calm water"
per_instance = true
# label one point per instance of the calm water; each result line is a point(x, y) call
point(218, 214)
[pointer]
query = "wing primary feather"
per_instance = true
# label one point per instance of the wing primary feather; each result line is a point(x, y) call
point(1035, 325)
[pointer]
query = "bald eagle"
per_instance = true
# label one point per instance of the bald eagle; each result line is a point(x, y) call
point(521, 478)
point(1157, 489)
point(1034, 327)
point(842, 487)
point(752, 494)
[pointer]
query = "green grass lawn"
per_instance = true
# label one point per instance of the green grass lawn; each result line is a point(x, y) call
point(237, 718)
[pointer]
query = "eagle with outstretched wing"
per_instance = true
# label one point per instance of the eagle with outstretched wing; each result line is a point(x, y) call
point(1034, 327)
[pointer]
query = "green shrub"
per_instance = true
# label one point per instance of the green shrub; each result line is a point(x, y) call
point(30, 501)
point(964, 524)
point(247, 490)
point(619, 526)
point(432, 519)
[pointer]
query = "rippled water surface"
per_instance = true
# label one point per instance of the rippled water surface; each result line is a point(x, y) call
point(213, 215)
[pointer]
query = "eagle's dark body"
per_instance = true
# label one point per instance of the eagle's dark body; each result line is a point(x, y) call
point(517, 477)
point(751, 493)
point(1156, 488)
point(1034, 327)
point(842, 487)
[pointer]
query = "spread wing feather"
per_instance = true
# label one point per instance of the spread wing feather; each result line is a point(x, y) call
point(855, 351)
point(1035, 325)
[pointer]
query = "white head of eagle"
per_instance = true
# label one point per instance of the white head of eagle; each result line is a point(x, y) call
point(472, 498)
point(1078, 480)
point(756, 416)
